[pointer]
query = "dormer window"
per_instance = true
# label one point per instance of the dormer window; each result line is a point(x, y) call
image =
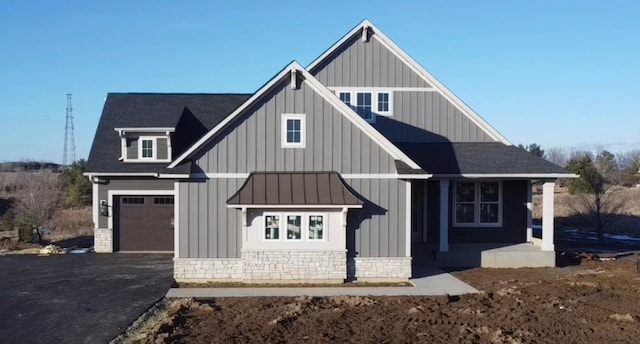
point(145, 144)
point(146, 148)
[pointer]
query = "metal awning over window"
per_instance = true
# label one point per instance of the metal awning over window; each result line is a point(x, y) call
point(294, 189)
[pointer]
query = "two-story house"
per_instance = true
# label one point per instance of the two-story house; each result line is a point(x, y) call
point(353, 167)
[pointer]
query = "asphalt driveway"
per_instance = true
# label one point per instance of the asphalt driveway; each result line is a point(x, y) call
point(77, 298)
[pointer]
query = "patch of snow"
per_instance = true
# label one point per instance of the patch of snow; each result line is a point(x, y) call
point(621, 237)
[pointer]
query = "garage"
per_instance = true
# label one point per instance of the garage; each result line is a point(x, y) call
point(143, 223)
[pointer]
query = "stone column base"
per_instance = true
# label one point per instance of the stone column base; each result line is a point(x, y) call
point(103, 240)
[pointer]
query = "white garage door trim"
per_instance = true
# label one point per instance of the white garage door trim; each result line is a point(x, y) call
point(114, 193)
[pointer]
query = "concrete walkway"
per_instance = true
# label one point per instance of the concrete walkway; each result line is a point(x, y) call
point(430, 281)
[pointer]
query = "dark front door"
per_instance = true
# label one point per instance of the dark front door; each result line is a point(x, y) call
point(144, 223)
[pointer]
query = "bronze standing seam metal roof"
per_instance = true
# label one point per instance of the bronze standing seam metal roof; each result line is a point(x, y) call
point(294, 188)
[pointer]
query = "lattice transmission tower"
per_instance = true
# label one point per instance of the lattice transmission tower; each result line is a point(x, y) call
point(69, 155)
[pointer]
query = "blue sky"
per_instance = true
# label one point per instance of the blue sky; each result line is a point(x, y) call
point(558, 73)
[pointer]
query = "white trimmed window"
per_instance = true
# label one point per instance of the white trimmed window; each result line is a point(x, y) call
point(272, 227)
point(316, 227)
point(299, 226)
point(383, 103)
point(363, 105)
point(477, 203)
point(293, 131)
point(147, 148)
point(294, 227)
point(367, 103)
point(345, 97)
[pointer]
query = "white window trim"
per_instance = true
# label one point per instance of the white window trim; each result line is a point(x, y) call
point(389, 102)
point(154, 147)
point(286, 229)
point(476, 204)
point(324, 226)
point(304, 231)
point(353, 91)
point(283, 131)
point(264, 226)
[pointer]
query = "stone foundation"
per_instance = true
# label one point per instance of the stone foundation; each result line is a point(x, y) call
point(379, 268)
point(207, 269)
point(294, 265)
point(103, 240)
point(282, 266)
point(266, 266)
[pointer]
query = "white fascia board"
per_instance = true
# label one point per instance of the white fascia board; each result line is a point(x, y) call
point(121, 174)
point(146, 129)
point(292, 66)
point(174, 176)
point(358, 121)
point(136, 174)
point(282, 206)
point(384, 176)
point(418, 69)
point(508, 175)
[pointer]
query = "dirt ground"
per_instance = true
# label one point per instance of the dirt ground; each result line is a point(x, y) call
point(595, 301)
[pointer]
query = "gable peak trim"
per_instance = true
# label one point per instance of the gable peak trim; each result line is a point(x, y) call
point(367, 28)
point(317, 86)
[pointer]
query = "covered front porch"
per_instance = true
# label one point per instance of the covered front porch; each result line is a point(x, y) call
point(437, 239)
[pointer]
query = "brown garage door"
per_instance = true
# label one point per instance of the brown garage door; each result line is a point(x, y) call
point(143, 223)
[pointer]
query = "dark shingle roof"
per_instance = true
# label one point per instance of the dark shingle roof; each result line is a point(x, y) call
point(298, 188)
point(190, 114)
point(455, 158)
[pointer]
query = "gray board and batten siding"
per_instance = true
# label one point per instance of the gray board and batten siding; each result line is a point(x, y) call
point(427, 117)
point(208, 228)
point(417, 115)
point(366, 64)
point(129, 184)
point(379, 228)
point(253, 142)
point(214, 230)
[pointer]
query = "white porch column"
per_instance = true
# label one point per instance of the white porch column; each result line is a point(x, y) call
point(444, 216)
point(409, 217)
point(529, 212)
point(547, 216)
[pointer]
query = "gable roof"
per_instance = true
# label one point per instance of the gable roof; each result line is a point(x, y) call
point(154, 110)
point(478, 159)
point(367, 26)
point(294, 189)
point(319, 88)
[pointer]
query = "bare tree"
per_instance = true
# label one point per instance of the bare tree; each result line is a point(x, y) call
point(598, 203)
point(37, 196)
point(557, 156)
point(629, 165)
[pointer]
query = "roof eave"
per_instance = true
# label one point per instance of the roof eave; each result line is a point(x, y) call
point(507, 176)
point(294, 206)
